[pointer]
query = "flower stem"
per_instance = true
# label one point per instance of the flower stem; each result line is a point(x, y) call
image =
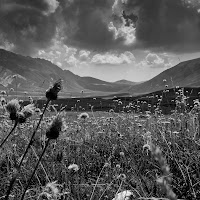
point(26, 151)
point(29, 181)
point(15, 125)
point(33, 135)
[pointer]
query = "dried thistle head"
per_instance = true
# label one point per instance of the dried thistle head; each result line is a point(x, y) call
point(21, 117)
point(52, 92)
point(28, 110)
point(25, 113)
point(51, 191)
point(55, 128)
point(13, 107)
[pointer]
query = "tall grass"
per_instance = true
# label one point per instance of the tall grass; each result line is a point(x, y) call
point(102, 156)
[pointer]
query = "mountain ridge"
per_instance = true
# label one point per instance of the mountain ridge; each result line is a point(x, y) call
point(36, 74)
point(184, 74)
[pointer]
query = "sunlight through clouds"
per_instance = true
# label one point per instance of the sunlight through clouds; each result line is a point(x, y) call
point(113, 59)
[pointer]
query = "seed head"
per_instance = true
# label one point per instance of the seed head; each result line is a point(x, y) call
point(74, 167)
point(28, 110)
point(52, 92)
point(83, 116)
point(55, 128)
point(13, 107)
point(21, 117)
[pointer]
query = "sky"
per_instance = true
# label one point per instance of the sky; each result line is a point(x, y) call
point(106, 39)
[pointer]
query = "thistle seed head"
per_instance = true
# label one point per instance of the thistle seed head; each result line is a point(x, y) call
point(55, 128)
point(13, 106)
point(28, 110)
point(21, 117)
point(52, 92)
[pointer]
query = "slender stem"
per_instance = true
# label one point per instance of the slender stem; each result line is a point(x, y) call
point(29, 181)
point(15, 125)
point(33, 135)
point(96, 182)
point(48, 179)
point(26, 151)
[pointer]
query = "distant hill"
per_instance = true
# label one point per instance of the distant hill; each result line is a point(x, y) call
point(185, 74)
point(36, 75)
point(125, 82)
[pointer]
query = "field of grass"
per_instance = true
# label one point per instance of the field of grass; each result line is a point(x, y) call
point(99, 155)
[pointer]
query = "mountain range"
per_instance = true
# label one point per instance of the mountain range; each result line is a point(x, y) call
point(35, 75)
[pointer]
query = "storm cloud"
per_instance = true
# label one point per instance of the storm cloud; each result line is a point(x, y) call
point(170, 25)
point(27, 25)
point(86, 24)
point(101, 25)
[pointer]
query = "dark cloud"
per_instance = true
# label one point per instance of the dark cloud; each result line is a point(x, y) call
point(162, 25)
point(26, 24)
point(86, 24)
point(172, 25)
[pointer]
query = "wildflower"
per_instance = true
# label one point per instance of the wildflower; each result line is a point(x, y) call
point(37, 110)
point(74, 167)
point(122, 177)
point(83, 116)
point(118, 166)
point(52, 92)
point(50, 191)
point(107, 164)
point(121, 153)
point(55, 128)
point(3, 101)
point(125, 195)
point(111, 111)
point(21, 101)
point(3, 92)
point(13, 107)
point(30, 99)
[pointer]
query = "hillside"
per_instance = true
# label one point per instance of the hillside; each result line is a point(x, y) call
point(185, 74)
point(125, 82)
point(36, 75)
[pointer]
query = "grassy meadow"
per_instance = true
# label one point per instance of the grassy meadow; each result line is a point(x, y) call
point(70, 155)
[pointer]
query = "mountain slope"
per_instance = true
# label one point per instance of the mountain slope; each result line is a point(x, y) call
point(185, 74)
point(125, 82)
point(36, 75)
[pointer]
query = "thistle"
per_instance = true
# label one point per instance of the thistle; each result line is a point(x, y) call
point(13, 107)
point(55, 128)
point(52, 92)
point(52, 133)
